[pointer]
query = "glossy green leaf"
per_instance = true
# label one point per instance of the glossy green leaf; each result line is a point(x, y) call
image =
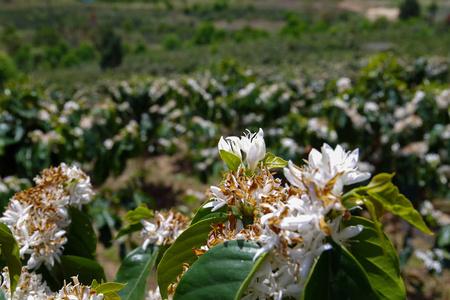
point(338, 275)
point(384, 274)
point(205, 212)
point(135, 270)
point(86, 269)
point(136, 215)
point(81, 237)
point(232, 160)
point(225, 270)
point(181, 252)
point(10, 253)
point(272, 161)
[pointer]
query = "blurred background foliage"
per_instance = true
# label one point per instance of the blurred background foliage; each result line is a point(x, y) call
point(138, 94)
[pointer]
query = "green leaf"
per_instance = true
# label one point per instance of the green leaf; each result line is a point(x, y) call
point(377, 226)
point(128, 230)
point(2, 295)
point(380, 183)
point(109, 287)
point(135, 216)
point(232, 160)
point(399, 205)
point(81, 237)
point(338, 275)
point(181, 252)
point(226, 270)
point(383, 193)
point(443, 239)
point(384, 274)
point(205, 212)
point(10, 253)
point(351, 200)
point(111, 296)
point(86, 269)
point(134, 270)
point(272, 161)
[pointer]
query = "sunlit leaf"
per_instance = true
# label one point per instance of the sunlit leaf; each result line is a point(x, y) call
point(272, 161)
point(232, 160)
point(181, 251)
point(384, 274)
point(398, 204)
point(136, 215)
point(226, 270)
point(109, 287)
point(384, 195)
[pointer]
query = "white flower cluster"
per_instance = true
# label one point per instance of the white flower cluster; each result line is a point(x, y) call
point(291, 222)
point(31, 287)
point(432, 259)
point(250, 148)
point(37, 217)
point(163, 229)
point(12, 184)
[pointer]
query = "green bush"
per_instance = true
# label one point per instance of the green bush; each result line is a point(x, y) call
point(23, 58)
point(409, 9)
point(249, 33)
point(70, 60)
point(11, 40)
point(140, 48)
point(110, 48)
point(206, 34)
point(294, 26)
point(85, 52)
point(8, 69)
point(46, 35)
point(171, 42)
point(54, 54)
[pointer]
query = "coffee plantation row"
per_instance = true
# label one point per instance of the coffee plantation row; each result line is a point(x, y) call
point(396, 111)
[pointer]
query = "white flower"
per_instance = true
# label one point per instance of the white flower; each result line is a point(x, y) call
point(154, 295)
point(431, 258)
point(77, 291)
point(343, 84)
point(30, 284)
point(219, 199)
point(163, 229)
point(37, 217)
point(250, 147)
point(326, 165)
